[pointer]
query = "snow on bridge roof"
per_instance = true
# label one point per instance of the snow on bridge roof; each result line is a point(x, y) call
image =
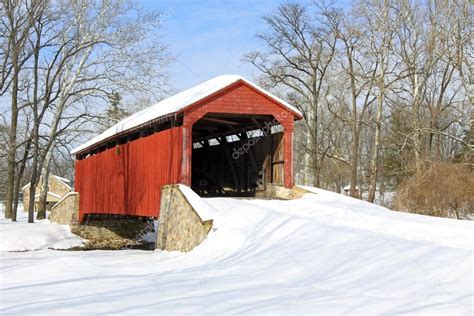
point(175, 104)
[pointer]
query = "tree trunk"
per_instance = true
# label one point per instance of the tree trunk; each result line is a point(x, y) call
point(36, 152)
point(34, 166)
point(317, 175)
point(33, 183)
point(354, 132)
point(11, 155)
point(19, 176)
point(10, 174)
point(45, 188)
point(382, 180)
point(416, 123)
point(316, 162)
point(354, 161)
point(377, 149)
point(16, 195)
point(308, 162)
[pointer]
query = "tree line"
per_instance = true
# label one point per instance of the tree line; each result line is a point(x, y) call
point(384, 87)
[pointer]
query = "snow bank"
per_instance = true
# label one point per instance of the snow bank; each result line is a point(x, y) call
point(175, 104)
point(350, 212)
point(21, 236)
point(323, 253)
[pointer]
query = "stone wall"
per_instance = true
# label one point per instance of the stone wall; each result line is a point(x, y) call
point(57, 186)
point(113, 233)
point(26, 198)
point(180, 227)
point(275, 191)
point(66, 210)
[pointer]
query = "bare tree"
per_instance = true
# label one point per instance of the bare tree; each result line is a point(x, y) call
point(361, 76)
point(378, 28)
point(299, 50)
point(99, 54)
point(17, 22)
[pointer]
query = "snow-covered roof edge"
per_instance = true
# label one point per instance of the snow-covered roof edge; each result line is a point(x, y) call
point(175, 104)
point(50, 193)
point(61, 179)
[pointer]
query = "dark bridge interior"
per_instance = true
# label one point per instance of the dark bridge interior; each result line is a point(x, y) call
point(236, 155)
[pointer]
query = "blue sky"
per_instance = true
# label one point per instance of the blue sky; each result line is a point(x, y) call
point(209, 38)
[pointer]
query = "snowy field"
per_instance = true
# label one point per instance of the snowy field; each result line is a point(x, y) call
point(323, 254)
point(21, 236)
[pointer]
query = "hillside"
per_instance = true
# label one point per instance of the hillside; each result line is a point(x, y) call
point(324, 253)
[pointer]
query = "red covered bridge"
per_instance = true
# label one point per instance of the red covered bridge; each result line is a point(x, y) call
point(225, 136)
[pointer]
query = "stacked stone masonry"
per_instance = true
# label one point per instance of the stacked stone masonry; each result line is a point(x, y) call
point(112, 234)
point(180, 227)
point(66, 211)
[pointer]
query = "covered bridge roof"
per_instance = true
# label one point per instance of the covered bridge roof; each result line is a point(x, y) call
point(176, 104)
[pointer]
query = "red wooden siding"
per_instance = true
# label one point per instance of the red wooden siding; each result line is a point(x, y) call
point(239, 98)
point(127, 179)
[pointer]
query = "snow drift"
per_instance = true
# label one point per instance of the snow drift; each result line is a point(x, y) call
point(324, 253)
point(21, 236)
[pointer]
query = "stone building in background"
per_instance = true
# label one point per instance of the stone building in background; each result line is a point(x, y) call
point(58, 188)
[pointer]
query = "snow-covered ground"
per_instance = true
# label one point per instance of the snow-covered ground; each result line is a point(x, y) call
point(322, 254)
point(21, 236)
